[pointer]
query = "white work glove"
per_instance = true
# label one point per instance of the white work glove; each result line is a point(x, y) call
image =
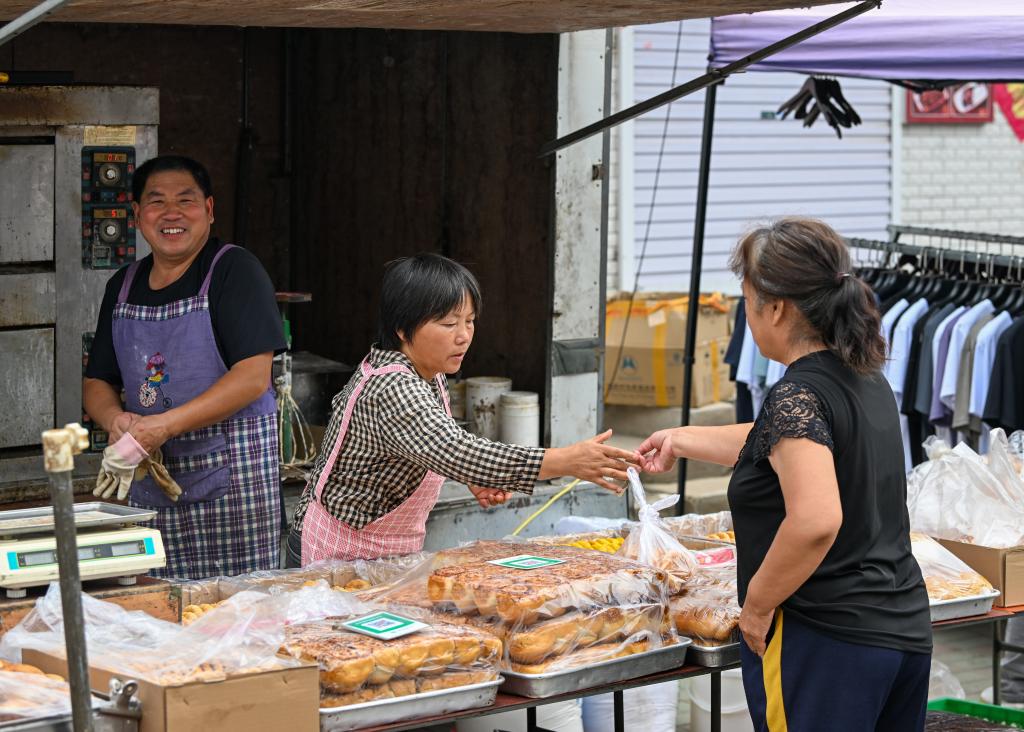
point(118, 467)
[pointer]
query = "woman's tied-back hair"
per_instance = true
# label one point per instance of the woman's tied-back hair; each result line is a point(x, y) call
point(804, 261)
point(418, 289)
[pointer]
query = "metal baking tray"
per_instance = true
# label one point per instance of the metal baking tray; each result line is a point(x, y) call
point(541, 686)
point(404, 708)
point(714, 656)
point(48, 724)
point(962, 607)
point(87, 515)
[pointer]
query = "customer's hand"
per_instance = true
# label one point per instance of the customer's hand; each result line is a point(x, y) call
point(489, 497)
point(656, 452)
point(754, 625)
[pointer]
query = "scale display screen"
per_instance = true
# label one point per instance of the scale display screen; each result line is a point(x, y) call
point(85, 553)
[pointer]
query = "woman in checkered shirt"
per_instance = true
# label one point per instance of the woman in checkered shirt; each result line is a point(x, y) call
point(392, 442)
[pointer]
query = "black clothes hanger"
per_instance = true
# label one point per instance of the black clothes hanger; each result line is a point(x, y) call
point(821, 98)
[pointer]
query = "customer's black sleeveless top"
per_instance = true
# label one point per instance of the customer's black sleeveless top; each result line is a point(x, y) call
point(868, 589)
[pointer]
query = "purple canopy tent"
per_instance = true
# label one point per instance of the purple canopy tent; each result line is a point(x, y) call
point(919, 40)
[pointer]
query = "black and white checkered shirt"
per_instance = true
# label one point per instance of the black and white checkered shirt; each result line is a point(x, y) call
point(398, 431)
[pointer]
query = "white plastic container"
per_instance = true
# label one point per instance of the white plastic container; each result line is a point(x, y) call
point(457, 399)
point(735, 717)
point(519, 416)
point(558, 717)
point(647, 709)
point(483, 404)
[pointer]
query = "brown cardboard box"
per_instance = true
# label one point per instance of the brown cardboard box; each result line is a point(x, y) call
point(649, 370)
point(1004, 568)
point(288, 699)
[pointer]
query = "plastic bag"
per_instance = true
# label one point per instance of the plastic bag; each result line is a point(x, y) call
point(945, 575)
point(241, 636)
point(583, 608)
point(355, 668)
point(608, 540)
point(699, 525)
point(650, 542)
point(32, 696)
point(708, 610)
point(961, 496)
point(942, 682)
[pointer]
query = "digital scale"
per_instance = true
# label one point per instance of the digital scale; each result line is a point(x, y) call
point(110, 544)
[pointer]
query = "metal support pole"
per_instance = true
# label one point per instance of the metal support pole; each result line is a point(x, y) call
point(29, 19)
point(696, 259)
point(606, 165)
point(59, 447)
point(712, 77)
point(620, 711)
point(716, 701)
point(997, 652)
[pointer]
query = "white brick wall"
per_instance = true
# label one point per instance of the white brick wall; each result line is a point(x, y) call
point(966, 177)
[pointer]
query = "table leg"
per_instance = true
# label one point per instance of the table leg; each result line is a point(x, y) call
point(620, 712)
point(531, 719)
point(997, 652)
point(716, 701)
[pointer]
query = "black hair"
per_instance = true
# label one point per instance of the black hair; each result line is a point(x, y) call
point(419, 289)
point(165, 163)
point(805, 261)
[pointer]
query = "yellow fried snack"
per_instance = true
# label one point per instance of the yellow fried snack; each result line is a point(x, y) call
point(729, 536)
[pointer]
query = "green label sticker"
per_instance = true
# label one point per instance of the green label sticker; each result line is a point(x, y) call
point(526, 561)
point(384, 626)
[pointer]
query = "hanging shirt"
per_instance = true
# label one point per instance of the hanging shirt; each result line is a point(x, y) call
point(940, 349)
point(947, 391)
point(776, 371)
point(889, 320)
point(895, 369)
point(1004, 406)
point(964, 378)
point(745, 367)
point(926, 365)
point(984, 357)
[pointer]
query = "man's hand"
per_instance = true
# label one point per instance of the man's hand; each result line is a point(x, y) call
point(151, 431)
point(489, 497)
point(121, 424)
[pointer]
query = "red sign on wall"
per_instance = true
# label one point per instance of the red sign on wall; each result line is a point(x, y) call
point(962, 103)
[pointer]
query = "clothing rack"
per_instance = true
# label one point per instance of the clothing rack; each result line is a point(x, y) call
point(1013, 262)
point(895, 230)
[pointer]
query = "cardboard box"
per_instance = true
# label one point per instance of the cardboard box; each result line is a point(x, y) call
point(648, 371)
point(1004, 568)
point(288, 699)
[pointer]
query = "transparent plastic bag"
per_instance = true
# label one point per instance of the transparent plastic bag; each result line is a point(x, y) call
point(590, 606)
point(241, 636)
point(943, 683)
point(945, 575)
point(608, 540)
point(32, 695)
point(650, 542)
point(355, 668)
point(708, 610)
point(961, 496)
point(699, 525)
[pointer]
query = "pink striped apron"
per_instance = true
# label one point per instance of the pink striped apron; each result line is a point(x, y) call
point(401, 531)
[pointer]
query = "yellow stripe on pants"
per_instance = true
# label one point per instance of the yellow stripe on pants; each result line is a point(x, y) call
point(771, 668)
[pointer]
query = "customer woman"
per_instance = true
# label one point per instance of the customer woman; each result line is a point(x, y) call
point(835, 624)
point(391, 441)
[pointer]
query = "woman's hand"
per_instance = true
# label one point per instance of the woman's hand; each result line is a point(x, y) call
point(489, 497)
point(657, 453)
point(590, 460)
point(755, 624)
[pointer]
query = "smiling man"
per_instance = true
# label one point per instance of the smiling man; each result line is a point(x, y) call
point(189, 333)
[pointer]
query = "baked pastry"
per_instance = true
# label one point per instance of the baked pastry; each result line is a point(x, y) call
point(582, 657)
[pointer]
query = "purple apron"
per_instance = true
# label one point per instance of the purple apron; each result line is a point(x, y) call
point(227, 519)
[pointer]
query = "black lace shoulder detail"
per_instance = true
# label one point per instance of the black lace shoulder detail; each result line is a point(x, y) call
point(791, 410)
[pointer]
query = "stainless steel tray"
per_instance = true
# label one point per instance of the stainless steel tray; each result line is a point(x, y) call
point(962, 607)
point(714, 656)
point(541, 686)
point(404, 708)
point(48, 724)
point(87, 515)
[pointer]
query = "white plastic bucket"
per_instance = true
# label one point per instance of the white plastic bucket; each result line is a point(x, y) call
point(735, 717)
point(558, 717)
point(457, 399)
point(519, 416)
point(483, 404)
point(647, 709)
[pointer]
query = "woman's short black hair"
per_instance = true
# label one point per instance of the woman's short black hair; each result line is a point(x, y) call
point(165, 163)
point(419, 289)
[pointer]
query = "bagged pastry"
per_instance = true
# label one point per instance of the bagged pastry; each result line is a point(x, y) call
point(28, 693)
point(945, 575)
point(708, 609)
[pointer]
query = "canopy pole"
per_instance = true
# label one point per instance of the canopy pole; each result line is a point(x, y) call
point(696, 260)
point(28, 19)
point(712, 77)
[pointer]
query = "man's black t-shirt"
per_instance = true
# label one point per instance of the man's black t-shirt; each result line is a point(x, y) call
point(243, 310)
point(869, 588)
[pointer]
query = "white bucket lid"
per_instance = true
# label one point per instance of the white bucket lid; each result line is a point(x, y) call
point(519, 397)
point(487, 380)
